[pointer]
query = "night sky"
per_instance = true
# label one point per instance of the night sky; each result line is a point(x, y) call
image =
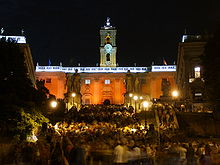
point(67, 31)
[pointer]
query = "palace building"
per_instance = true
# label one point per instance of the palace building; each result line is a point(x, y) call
point(108, 82)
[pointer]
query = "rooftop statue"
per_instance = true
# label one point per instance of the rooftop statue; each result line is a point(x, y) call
point(76, 82)
point(108, 24)
point(129, 82)
point(108, 21)
point(2, 30)
point(165, 87)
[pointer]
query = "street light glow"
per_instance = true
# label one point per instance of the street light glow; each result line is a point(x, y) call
point(130, 94)
point(73, 94)
point(145, 104)
point(175, 93)
point(53, 104)
point(135, 98)
point(141, 97)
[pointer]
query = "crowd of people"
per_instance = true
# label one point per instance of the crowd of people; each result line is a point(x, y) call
point(166, 116)
point(114, 114)
point(112, 135)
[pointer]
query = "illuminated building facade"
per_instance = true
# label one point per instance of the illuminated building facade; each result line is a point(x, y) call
point(108, 82)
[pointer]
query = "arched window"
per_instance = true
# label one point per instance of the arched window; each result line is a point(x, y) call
point(108, 57)
point(107, 39)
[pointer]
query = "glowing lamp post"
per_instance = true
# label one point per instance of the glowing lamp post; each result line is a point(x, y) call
point(175, 94)
point(53, 104)
point(135, 103)
point(73, 96)
point(145, 105)
point(130, 95)
point(139, 103)
point(135, 98)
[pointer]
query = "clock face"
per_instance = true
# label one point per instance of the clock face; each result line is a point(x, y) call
point(108, 62)
point(108, 48)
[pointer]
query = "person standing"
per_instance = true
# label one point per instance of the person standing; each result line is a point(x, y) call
point(190, 155)
point(77, 155)
point(57, 155)
point(120, 153)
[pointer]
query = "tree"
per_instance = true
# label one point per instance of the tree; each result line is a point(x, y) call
point(211, 63)
point(20, 101)
point(15, 86)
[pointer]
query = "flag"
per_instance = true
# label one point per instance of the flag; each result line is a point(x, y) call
point(164, 62)
point(49, 62)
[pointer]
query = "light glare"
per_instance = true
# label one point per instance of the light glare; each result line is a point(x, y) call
point(73, 94)
point(175, 93)
point(53, 104)
point(145, 104)
point(135, 98)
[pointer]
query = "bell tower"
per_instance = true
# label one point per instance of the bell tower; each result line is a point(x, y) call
point(108, 47)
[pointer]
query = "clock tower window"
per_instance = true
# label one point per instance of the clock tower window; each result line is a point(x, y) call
point(107, 39)
point(108, 57)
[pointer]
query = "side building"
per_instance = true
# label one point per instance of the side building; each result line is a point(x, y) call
point(189, 78)
point(25, 49)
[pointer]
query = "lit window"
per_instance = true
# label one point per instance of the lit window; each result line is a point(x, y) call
point(198, 94)
point(107, 81)
point(48, 80)
point(197, 72)
point(87, 81)
point(191, 80)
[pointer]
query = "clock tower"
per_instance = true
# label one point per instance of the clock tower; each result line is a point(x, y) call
point(108, 47)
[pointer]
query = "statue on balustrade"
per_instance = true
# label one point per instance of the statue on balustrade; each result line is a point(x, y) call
point(76, 82)
point(165, 87)
point(137, 85)
point(69, 82)
point(129, 82)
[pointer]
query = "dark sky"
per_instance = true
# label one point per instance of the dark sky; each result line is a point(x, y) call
point(67, 31)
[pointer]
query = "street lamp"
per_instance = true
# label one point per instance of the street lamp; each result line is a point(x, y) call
point(139, 103)
point(53, 104)
point(73, 95)
point(175, 94)
point(130, 95)
point(135, 102)
point(145, 105)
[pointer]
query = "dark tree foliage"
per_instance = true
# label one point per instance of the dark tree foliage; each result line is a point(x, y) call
point(211, 63)
point(18, 97)
point(42, 92)
point(15, 86)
